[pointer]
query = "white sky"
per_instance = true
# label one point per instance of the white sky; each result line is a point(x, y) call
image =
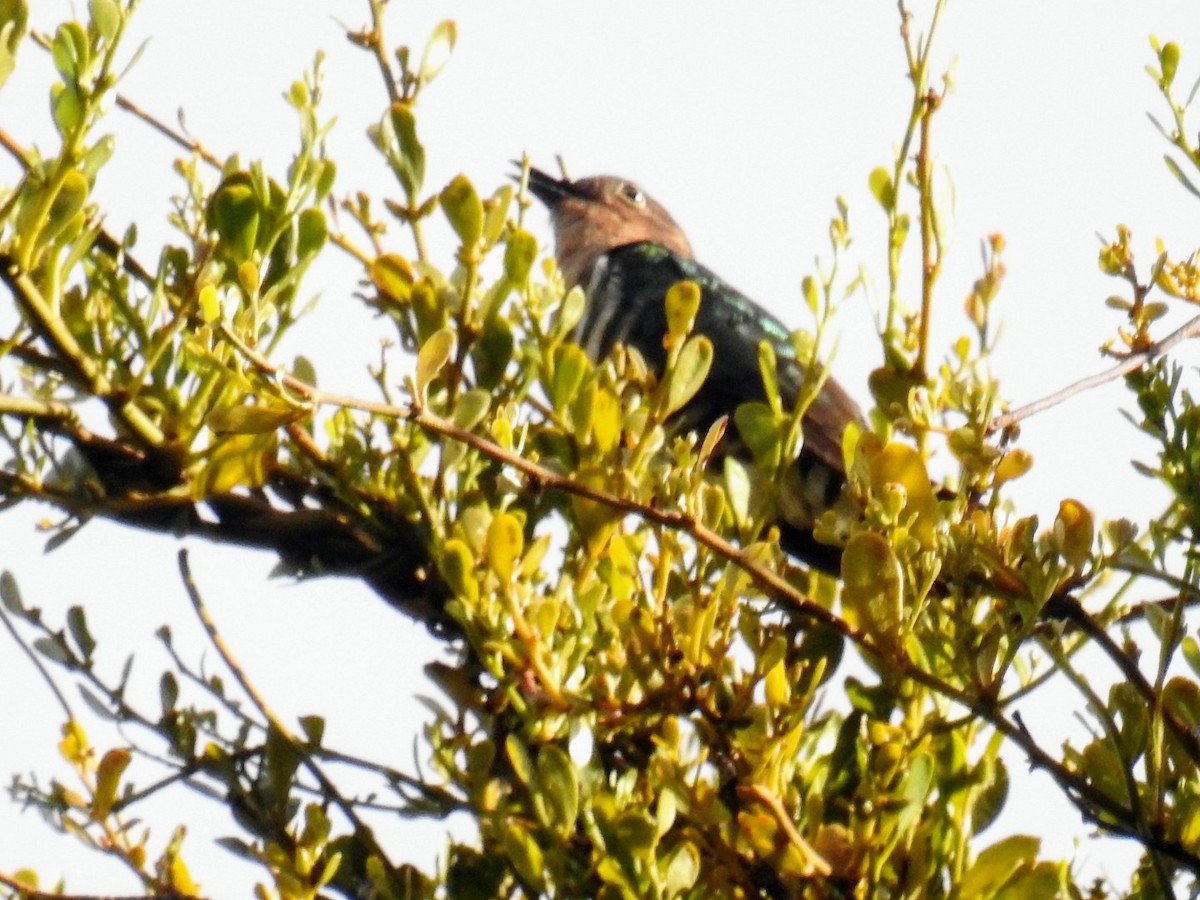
point(746, 127)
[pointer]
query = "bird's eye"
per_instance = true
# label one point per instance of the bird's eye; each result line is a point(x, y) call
point(632, 193)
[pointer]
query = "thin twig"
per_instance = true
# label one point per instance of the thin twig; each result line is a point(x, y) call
point(38, 664)
point(328, 788)
point(187, 143)
point(1130, 363)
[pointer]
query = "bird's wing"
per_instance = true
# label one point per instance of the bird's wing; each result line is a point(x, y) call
point(626, 305)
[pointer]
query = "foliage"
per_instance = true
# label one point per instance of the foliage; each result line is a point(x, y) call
point(645, 702)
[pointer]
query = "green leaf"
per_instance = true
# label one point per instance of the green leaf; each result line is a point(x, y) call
point(991, 797)
point(14, 20)
point(873, 586)
point(1044, 881)
point(311, 233)
point(497, 214)
point(70, 52)
point(808, 287)
point(464, 209)
point(108, 778)
point(1190, 648)
point(737, 489)
point(505, 544)
point(691, 369)
point(900, 464)
point(432, 357)
point(77, 625)
point(68, 203)
point(471, 407)
point(1075, 529)
point(10, 594)
point(408, 158)
point(520, 251)
point(768, 368)
point(523, 852)
point(882, 189)
point(106, 16)
point(492, 353)
point(313, 728)
point(392, 276)
point(53, 650)
point(683, 870)
point(1182, 697)
point(1180, 177)
point(518, 758)
point(558, 788)
point(760, 431)
point(571, 367)
point(437, 50)
point(997, 864)
point(168, 692)
point(235, 214)
point(94, 160)
point(682, 302)
point(238, 460)
point(1168, 58)
point(252, 418)
point(458, 565)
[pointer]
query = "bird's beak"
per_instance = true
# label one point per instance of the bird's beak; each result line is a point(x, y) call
point(550, 190)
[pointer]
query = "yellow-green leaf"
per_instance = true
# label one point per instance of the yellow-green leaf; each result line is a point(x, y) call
point(571, 367)
point(900, 464)
point(1013, 464)
point(760, 431)
point(595, 520)
point(458, 564)
point(1168, 58)
point(997, 864)
point(392, 276)
point(311, 232)
point(682, 303)
point(505, 543)
point(519, 253)
point(519, 759)
point(882, 189)
point(691, 369)
point(768, 367)
point(235, 215)
point(252, 418)
point(108, 778)
point(464, 209)
point(558, 788)
point(524, 854)
point(606, 420)
point(873, 585)
point(106, 16)
point(1075, 528)
point(409, 160)
point(437, 50)
point(471, 407)
point(209, 302)
point(74, 745)
point(432, 357)
point(68, 203)
point(239, 460)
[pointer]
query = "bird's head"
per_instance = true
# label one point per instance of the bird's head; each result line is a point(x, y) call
point(594, 215)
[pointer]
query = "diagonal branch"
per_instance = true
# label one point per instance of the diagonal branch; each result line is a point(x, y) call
point(1130, 363)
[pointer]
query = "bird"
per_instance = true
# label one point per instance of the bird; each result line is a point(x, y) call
point(624, 250)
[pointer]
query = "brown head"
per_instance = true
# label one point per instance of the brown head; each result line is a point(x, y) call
point(594, 215)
